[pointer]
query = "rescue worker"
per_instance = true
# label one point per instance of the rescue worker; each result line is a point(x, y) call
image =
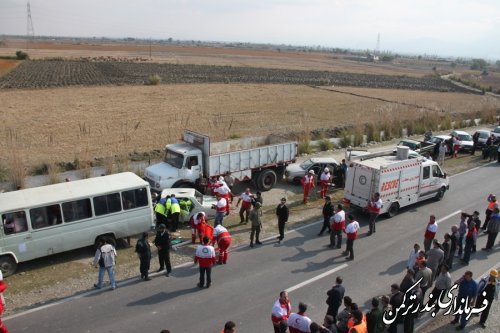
point(246, 205)
point(197, 223)
point(281, 311)
point(299, 322)
point(351, 231)
point(307, 184)
point(373, 207)
point(430, 233)
point(256, 219)
point(205, 256)
point(220, 209)
point(223, 239)
point(325, 180)
point(3, 286)
point(487, 288)
point(160, 212)
point(224, 192)
point(492, 203)
point(337, 226)
point(359, 324)
point(175, 212)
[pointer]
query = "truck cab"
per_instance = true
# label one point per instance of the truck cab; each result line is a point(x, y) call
point(181, 167)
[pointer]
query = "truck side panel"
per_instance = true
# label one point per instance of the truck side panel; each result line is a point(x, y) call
point(243, 161)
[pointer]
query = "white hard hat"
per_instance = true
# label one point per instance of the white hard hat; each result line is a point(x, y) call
point(311, 172)
point(221, 178)
point(326, 170)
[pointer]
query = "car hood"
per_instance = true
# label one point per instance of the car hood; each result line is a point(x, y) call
point(160, 171)
point(466, 143)
point(295, 169)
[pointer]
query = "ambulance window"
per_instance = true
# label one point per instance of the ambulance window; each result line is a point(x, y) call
point(427, 172)
point(436, 172)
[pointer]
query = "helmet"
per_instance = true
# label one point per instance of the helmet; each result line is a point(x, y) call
point(326, 170)
point(494, 273)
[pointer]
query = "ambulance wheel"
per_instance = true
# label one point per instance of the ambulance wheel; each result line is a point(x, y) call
point(8, 265)
point(440, 194)
point(266, 180)
point(393, 210)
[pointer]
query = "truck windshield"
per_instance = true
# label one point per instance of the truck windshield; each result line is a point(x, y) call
point(174, 159)
point(306, 164)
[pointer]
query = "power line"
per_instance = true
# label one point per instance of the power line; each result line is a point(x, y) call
point(30, 29)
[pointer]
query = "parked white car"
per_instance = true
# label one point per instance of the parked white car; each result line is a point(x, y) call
point(465, 139)
point(295, 171)
point(199, 202)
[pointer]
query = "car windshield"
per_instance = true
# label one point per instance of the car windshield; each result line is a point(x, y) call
point(484, 135)
point(464, 137)
point(306, 164)
point(436, 140)
point(411, 145)
point(174, 159)
point(497, 129)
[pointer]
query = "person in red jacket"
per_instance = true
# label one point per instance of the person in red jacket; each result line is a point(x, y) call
point(307, 184)
point(205, 256)
point(430, 233)
point(337, 225)
point(325, 180)
point(299, 322)
point(351, 231)
point(3, 286)
point(197, 223)
point(373, 207)
point(281, 311)
point(223, 239)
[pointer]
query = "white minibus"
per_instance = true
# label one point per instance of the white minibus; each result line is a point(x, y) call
point(41, 221)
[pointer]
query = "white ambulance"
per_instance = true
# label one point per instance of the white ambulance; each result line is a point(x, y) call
point(400, 181)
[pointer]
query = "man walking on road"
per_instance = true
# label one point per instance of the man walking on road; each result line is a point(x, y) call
point(205, 256)
point(282, 214)
point(299, 322)
point(281, 311)
point(335, 296)
point(162, 243)
point(351, 231)
point(430, 233)
point(307, 184)
point(337, 226)
point(374, 206)
point(327, 215)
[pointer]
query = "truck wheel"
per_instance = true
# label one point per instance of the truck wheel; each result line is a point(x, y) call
point(440, 194)
point(8, 265)
point(110, 238)
point(266, 180)
point(393, 210)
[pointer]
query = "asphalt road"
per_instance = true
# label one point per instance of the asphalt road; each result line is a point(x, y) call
point(245, 289)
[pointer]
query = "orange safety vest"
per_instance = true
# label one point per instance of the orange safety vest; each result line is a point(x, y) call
point(360, 328)
point(491, 205)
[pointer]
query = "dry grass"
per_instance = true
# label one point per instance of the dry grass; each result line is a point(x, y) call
point(7, 65)
point(83, 123)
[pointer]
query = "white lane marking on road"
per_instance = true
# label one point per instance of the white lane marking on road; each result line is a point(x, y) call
point(448, 216)
point(331, 271)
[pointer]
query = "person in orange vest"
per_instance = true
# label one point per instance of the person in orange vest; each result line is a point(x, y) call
point(307, 184)
point(430, 233)
point(492, 203)
point(359, 325)
point(229, 327)
point(373, 207)
point(197, 224)
point(281, 311)
point(223, 239)
point(325, 180)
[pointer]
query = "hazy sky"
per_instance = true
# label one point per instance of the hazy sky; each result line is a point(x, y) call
point(444, 27)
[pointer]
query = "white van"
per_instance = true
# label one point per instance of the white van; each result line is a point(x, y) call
point(44, 220)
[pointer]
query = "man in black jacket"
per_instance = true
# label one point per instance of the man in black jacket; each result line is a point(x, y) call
point(143, 250)
point(162, 242)
point(282, 213)
point(327, 215)
point(335, 296)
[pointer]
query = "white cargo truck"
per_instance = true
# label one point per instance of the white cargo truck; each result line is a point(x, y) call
point(192, 162)
point(400, 181)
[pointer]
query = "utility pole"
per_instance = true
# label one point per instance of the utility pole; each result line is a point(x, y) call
point(149, 48)
point(30, 30)
point(377, 51)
